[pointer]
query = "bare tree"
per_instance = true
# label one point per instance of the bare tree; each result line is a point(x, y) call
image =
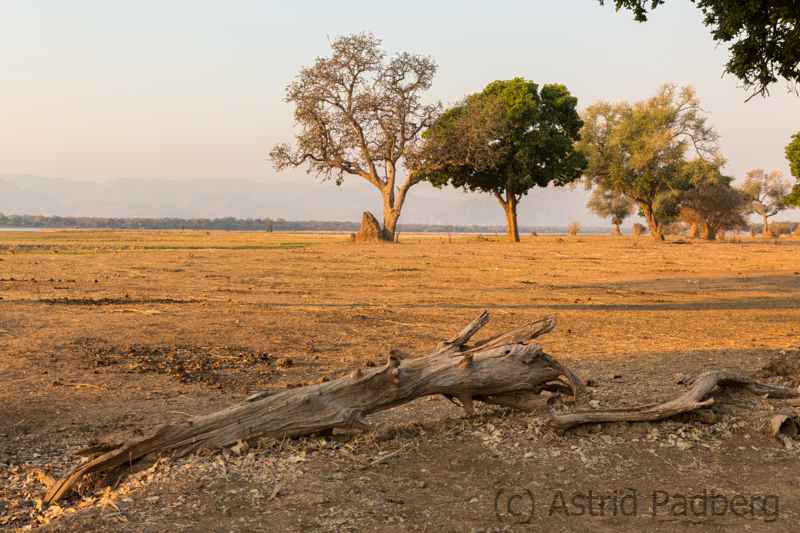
point(362, 115)
point(766, 192)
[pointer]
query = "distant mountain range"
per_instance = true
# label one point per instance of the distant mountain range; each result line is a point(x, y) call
point(222, 197)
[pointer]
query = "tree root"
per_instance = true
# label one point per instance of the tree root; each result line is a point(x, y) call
point(694, 399)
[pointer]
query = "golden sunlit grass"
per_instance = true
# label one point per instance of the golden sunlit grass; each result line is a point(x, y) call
point(83, 241)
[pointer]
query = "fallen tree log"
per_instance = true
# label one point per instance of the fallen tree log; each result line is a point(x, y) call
point(499, 370)
point(694, 399)
point(502, 370)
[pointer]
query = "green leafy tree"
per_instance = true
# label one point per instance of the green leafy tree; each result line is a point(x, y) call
point(639, 150)
point(506, 140)
point(611, 204)
point(712, 206)
point(765, 37)
point(362, 115)
point(793, 156)
point(766, 191)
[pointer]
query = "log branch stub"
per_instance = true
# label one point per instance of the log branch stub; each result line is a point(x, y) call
point(520, 335)
point(466, 403)
point(466, 334)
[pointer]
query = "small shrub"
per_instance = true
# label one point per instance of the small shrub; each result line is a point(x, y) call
point(639, 229)
point(675, 228)
point(753, 230)
point(574, 228)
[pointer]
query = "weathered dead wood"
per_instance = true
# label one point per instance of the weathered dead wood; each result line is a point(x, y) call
point(488, 372)
point(771, 423)
point(694, 398)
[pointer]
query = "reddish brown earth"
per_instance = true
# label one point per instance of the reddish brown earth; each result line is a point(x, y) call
point(96, 344)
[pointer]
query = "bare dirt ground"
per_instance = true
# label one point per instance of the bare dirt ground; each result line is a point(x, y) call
point(123, 331)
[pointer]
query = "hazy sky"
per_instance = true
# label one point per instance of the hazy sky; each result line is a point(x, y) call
point(186, 89)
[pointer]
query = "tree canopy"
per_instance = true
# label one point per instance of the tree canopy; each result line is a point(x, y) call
point(506, 140)
point(793, 156)
point(764, 34)
point(712, 206)
point(640, 149)
point(611, 204)
point(361, 114)
point(766, 191)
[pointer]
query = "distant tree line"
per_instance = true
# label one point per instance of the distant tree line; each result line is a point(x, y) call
point(39, 221)
point(171, 223)
point(248, 224)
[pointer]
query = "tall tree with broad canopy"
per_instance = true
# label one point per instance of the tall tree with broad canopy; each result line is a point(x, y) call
point(712, 206)
point(766, 191)
point(611, 204)
point(640, 149)
point(506, 140)
point(765, 36)
point(362, 115)
point(793, 156)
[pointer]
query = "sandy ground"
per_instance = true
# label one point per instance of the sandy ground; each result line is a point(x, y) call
point(120, 332)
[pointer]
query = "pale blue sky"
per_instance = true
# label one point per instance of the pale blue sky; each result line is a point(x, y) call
point(185, 89)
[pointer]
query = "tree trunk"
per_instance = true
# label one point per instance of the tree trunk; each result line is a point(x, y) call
point(694, 232)
point(617, 231)
point(766, 233)
point(501, 370)
point(510, 207)
point(708, 232)
point(391, 214)
point(652, 222)
point(390, 225)
point(797, 231)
